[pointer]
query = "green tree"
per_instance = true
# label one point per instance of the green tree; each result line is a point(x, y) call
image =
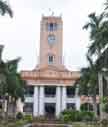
point(11, 83)
point(96, 25)
point(15, 83)
point(89, 82)
point(105, 104)
point(5, 8)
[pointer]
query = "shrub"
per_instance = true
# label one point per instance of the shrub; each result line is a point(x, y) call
point(67, 118)
point(19, 115)
point(28, 118)
point(104, 122)
point(71, 115)
point(105, 108)
point(18, 123)
point(87, 116)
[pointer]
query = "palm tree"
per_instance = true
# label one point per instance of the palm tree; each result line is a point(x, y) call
point(106, 4)
point(96, 26)
point(15, 83)
point(89, 82)
point(11, 83)
point(5, 8)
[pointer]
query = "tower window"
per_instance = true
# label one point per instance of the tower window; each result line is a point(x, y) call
point(51, 39)
point(50, 59)
point(52, 26)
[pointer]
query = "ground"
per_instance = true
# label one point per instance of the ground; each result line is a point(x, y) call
point(21, 123)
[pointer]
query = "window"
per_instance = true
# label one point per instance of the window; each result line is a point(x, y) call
point(50, 91)
point(52, 26)
point(86, 107)
point(29, 91)
point(50, 59)
point(70, 91)
point(71, 106)
point(51, 39)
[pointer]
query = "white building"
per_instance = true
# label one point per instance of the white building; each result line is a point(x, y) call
point(50, 86)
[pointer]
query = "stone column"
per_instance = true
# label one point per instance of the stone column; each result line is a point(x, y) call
point(58, 100)
point(63, 98)
point(20, 105)
point(78, 103)
point(35, 101)
point(41, 101)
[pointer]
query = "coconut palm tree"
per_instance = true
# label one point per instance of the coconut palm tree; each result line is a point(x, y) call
point(96, 25)
point(11, 83)
point(16, 86)
point(5, 8)
point(89, 82)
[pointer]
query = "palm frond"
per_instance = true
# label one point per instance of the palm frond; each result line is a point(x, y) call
point(106, 5)
point(12, 65)
point(4, 8)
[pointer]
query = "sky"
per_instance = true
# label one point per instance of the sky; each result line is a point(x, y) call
point(21, 34)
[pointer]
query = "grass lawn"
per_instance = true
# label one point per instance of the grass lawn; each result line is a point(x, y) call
point(18, 123)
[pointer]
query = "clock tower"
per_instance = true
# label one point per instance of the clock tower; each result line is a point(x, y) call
point(50, 82)
point(51, 43)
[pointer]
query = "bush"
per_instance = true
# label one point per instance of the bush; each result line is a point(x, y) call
point(18, 123)
point(19, 115)
point(105, 108)
point(40, 119)
point(104, 122)
point(71, 115)
point(87, 116)
point(28, 118)
point(66, 118)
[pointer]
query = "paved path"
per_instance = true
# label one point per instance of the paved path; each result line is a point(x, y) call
point(50, 125)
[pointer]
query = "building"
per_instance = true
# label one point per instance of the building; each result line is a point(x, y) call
point(50, 86)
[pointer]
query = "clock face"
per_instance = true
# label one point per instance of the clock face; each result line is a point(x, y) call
point(51, 39)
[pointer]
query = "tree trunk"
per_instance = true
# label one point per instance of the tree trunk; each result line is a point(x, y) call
point(14, 109)
point(100, 93)
point(4, 108)
point(95, 106)
point(7, 109)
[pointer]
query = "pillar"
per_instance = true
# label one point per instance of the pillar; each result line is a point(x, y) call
point(35, 101)
point(58, 100)
point(78, 103)
point(63, 98)
point(20, 105)
point(41, 101)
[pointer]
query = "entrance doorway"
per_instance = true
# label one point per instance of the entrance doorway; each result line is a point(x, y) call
point(50, 110)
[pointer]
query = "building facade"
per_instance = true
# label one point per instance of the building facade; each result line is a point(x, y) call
point(50, 86)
